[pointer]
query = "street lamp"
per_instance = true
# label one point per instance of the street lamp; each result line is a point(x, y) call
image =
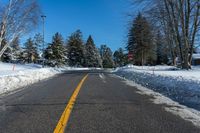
point(43, 21)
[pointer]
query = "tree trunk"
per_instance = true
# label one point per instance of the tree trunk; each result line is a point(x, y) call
point(142, 58)
point(185, 63)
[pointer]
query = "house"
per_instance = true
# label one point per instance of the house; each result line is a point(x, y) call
point(196, 59)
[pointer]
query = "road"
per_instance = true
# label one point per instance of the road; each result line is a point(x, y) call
point(104, 104)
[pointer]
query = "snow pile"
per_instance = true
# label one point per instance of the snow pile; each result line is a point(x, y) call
point(167, 71)
point(14, 76)
point(7, 69)
point(173, 107)
point(180, 85)
point(76, 68)
point(23, 75)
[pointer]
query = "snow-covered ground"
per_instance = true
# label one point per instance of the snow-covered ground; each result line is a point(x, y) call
point(178, 89)
point(13, 76)
point(17, 76)
point(181, 86)
point(168, 71)
point(184, 112)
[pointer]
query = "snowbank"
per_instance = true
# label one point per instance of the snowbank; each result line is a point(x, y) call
point(14, 76)
point(24, 78)
point(179, 85)
point(22, 75)
point(171, 106)
point(7, 69)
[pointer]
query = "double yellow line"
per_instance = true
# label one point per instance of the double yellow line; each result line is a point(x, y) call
point(62, 123)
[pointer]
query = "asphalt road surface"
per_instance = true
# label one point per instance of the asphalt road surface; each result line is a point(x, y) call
point(104, 104)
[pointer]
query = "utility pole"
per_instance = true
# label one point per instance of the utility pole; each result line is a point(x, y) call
point(43, 30)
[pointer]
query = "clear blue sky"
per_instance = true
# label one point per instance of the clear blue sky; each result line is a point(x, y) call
point(105, 20)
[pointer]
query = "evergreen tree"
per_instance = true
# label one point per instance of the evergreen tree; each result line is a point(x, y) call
point(7, 55)
point(106, 55)
point(16, 50)
point(30, 53)
point(126, 60)
point(140, 42)
point(55, 53)
point(119, 58)
point(38, 40)
point(92, 56)
point(12, 53)
point(75, 49)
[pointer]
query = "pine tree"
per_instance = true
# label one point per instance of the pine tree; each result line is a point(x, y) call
point(16, 50)
point(38, 40)
point(106, 55)
point(55, 53)
point(75, 49)
point(49, 57)
point(13, 52)
point(92, 56)
point(119, 58)
point(140, 42)
point(30, 53)
point(7, 55)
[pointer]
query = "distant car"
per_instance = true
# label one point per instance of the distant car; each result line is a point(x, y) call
point(129, 65)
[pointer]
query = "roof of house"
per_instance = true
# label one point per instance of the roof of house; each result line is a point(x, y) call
point(198, 50)
point(196, 56)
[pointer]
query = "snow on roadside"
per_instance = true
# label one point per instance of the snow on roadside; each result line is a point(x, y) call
point(7, 69)
point(15, 76)
point(184, 112)
point(180, 88)
point(23, 78)
point(166, 71)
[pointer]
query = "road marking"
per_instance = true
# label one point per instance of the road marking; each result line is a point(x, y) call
point(102, 76)
point(62, 123)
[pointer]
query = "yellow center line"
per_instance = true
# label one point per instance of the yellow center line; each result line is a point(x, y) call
point(62, 123)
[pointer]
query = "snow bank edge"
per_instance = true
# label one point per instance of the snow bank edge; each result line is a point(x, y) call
point(24, 78)
point(175, 108)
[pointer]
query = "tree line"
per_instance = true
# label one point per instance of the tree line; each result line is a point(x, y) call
point(19, 17)
point(166, 32)
point(72, 52)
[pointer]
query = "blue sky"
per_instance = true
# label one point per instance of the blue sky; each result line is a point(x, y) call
point(105, 20)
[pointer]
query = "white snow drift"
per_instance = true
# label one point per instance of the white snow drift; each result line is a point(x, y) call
point(180, 85)
point(14, 76)
point(165, 71)
point(22, 75)
point(165, 83)
point(173, 107)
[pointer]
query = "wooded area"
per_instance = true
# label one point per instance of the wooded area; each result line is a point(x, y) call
point(175, 28)
point(163, 32)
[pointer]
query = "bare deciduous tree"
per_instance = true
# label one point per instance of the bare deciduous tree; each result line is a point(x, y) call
point(180, 21)
point(184, 15)
point(17, 17)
